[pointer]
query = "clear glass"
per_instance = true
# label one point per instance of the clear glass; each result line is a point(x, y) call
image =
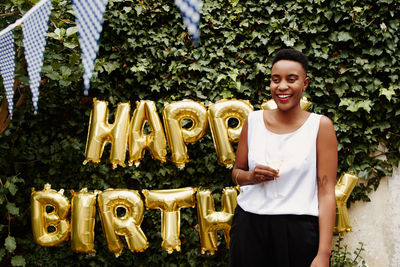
point(276, 165)
point(275, 162)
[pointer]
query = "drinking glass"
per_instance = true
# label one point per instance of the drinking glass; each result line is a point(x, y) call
point(275, 162)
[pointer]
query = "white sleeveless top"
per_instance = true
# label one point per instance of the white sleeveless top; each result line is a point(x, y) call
point(296, 190)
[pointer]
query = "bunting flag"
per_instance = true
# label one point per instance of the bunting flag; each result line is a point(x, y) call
point(7, 66)
point(190, 10)
point(89, 18)
point(34, 35)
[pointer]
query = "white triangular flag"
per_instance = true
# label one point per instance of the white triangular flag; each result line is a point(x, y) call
point(89, 19)
point(7, 66)
point(34, 35)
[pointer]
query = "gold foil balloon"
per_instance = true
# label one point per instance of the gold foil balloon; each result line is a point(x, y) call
point(343, 189)
point(154, 141)
point(218, 116)
point(177, 136)
point(100, 132)
point(270, 104)
point(127, 225)
point(170, 202)
point(210, 220)
point(49, 210)
point(83, 207)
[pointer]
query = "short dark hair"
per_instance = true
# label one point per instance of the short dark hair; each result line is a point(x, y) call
point(291, 54)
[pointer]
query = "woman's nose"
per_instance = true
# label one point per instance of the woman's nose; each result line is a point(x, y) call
point(283, 85)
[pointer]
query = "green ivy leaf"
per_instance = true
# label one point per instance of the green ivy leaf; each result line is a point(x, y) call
point(10, 244)
point(344, 36)
point(70, 45)
point(13, 189)
point(388, 93)
point(71, 30)
point(12, 208)
point(18, 261)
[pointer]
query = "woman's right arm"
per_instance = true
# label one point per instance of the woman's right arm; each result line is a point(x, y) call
point(240, 173)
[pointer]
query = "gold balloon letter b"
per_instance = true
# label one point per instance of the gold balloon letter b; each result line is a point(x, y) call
point(211, 220)
point(49, 210)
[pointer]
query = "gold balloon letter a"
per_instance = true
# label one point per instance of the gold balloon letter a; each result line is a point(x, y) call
point(83, 210)
point(49, 210)
point(155, 141)
point(211, 220)
point(128, 224)
point(100, 132)
point(343, 189)
point(170, 201)
point(218, 115)
point(177, 136)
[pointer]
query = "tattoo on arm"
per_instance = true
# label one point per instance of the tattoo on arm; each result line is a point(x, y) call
point(322, 181)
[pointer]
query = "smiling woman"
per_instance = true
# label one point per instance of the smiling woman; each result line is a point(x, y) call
point(279, 165)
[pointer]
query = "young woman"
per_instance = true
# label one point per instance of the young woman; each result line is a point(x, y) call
point(286, 164)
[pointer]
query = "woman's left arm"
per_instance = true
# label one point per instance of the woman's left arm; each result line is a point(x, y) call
point(327, 157)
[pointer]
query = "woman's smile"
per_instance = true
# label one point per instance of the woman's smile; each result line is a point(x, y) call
point(283, 97)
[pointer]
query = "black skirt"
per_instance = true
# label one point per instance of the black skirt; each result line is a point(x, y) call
point(272, 240)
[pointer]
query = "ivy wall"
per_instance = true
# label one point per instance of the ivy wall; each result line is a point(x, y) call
point(145, 53)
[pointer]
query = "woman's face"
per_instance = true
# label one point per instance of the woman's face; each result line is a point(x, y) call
point(288, 81)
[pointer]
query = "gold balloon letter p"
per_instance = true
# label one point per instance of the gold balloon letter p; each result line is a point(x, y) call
point(100, 132)
point(49, 210)
point(111, 201)
point(211, 220)
point(218, 115)
point(177, 136)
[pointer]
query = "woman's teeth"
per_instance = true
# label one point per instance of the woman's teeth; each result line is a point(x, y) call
point(283, 96)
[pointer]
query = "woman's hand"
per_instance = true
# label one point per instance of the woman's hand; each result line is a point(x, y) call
point(320, 261)
point(262, 173)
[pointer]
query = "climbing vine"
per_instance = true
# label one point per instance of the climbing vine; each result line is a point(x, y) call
point(145, 53)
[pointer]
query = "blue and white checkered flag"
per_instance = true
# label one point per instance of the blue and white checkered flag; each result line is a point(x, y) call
point(190, 10)
point(7, 66)
point(89, 18)
point(34, 35)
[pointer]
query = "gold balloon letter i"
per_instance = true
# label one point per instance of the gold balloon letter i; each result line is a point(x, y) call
point(210, 220)
point(83, 210)
point(100, 132)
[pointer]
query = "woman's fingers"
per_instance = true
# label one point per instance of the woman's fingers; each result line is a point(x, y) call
point(264, 173)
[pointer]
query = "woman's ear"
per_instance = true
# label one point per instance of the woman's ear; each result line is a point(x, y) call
point(306, 83)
